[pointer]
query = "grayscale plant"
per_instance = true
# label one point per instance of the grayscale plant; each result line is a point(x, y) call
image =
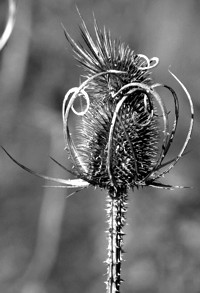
point(123, 134)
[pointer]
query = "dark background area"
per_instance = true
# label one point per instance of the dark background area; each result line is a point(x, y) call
point(52, 244)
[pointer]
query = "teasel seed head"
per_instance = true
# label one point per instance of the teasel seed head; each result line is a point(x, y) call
point(123, 134)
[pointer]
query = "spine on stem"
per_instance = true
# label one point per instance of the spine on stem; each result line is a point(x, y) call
point(116, 210)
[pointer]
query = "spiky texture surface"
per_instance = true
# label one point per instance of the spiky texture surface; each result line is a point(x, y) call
point(134, 148)
point(106, 53)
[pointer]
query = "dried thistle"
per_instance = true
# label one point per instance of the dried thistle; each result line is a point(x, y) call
point(123, 135)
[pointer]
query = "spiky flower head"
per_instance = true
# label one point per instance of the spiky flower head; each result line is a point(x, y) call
point(123, 134)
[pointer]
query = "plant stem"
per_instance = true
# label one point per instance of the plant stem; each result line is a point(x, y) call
point(116, 210)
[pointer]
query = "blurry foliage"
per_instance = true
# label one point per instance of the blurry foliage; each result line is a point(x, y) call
point(50, 244)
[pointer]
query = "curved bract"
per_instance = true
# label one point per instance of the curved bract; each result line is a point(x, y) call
point(9, 24)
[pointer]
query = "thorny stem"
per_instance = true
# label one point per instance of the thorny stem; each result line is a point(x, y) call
point(116, 210)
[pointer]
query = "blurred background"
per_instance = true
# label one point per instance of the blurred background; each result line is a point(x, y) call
point(52, 244)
